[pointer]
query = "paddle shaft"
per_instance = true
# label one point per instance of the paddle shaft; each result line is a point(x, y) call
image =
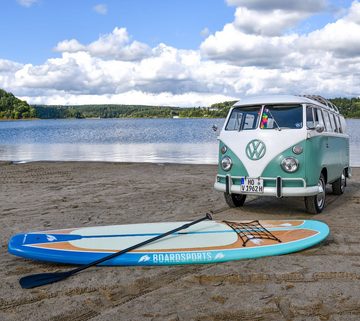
point(35, 280)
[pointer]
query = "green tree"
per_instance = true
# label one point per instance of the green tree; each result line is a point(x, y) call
point(12, 107)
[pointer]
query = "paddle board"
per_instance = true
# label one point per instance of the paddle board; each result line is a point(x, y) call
point(205, 242)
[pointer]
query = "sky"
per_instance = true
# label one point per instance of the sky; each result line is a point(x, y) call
point(177, 52)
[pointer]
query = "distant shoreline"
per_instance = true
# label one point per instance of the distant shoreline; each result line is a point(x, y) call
point(92, 118)
point(10, 162)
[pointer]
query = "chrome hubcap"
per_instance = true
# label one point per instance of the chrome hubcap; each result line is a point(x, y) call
point(343, 182)
point(320, 198)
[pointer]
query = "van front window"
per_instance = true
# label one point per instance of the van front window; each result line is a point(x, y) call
point(280, 117)
point(244, 118)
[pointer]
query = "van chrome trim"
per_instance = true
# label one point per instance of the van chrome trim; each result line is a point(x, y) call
point(228, 182)
point(267, 178)
point(271, 191)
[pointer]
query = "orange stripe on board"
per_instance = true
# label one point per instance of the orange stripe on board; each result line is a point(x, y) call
point(285, 236)
point(66, 231)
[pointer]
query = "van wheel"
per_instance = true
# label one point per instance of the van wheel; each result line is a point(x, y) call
point(315, 204)
point(338, 186)
point(235, 200)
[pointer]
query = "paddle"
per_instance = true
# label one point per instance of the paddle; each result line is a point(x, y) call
point(35, 280)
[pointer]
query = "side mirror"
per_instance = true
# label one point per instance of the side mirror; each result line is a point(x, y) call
point(319, 128)
point(214, 128)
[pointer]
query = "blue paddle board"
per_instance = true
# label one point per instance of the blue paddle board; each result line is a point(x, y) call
point(205, 242)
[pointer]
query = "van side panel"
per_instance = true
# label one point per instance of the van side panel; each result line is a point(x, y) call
point(315, 158)
point(326, 151)
point(337, 158)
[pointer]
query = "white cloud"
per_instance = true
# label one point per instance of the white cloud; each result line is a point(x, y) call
point(269, 5)
point(238, 47)
point(9, 66)
point(341, 38)
point(116, 44)
point(239, 60)
point(260, 33)
point(27, 3)
point(259, 44)
point(69, 46)
point(101, 8)
point(263, 23)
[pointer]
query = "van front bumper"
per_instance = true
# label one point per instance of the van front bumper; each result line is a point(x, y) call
point(278, 190)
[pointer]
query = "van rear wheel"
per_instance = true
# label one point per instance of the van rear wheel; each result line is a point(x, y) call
point(315, 204)
point(338, 186)
point(235, 200)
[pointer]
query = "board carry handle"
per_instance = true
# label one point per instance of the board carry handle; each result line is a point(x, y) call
point(35, 280)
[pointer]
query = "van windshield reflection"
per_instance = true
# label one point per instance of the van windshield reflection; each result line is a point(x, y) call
point(280, 117)
point(244, 118)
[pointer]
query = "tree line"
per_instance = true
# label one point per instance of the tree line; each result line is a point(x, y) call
point(218, 110)
point(350, 108)
point(14, 108)
point(105, 111)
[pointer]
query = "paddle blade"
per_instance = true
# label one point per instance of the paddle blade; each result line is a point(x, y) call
point(35, 280)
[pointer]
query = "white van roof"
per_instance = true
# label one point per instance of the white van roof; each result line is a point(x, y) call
point(287, 99)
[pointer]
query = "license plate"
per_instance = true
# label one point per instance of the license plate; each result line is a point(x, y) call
point(252, 185)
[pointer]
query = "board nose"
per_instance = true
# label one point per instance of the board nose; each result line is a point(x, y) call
point(37, 238)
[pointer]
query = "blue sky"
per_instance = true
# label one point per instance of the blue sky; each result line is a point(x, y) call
point(30, 33)
point(179, 52)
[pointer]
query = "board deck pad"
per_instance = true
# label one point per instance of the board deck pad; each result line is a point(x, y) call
point(205, 242)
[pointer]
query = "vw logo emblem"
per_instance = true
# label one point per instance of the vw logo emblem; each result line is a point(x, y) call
point(255, 149)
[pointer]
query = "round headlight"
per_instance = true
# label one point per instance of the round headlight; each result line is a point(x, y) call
point(226, 163)
point(297, 149)
point(223, 149)
point(290, 164)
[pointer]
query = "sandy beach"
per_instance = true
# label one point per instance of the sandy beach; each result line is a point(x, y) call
point(321, 283)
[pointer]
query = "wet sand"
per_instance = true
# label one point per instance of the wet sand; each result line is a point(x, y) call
point(321, 283)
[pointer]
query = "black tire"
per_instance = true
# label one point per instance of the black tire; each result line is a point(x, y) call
point(235, 200)
point(316, 203)
point(339, 185)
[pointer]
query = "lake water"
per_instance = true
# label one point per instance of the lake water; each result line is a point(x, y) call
point(190, 141)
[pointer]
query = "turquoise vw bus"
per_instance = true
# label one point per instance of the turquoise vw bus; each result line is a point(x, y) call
point(283, 146)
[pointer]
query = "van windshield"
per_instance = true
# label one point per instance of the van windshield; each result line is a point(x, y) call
point(244, 118)
point(279, 117)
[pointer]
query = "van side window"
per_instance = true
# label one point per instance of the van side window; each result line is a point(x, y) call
point(332, 121)
point(244, 118)
point(337, 123)
point(320, 117)
point(343, 124)
point(327, 121)
point(316, 117)
point(310, 121)
point(313, 117)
